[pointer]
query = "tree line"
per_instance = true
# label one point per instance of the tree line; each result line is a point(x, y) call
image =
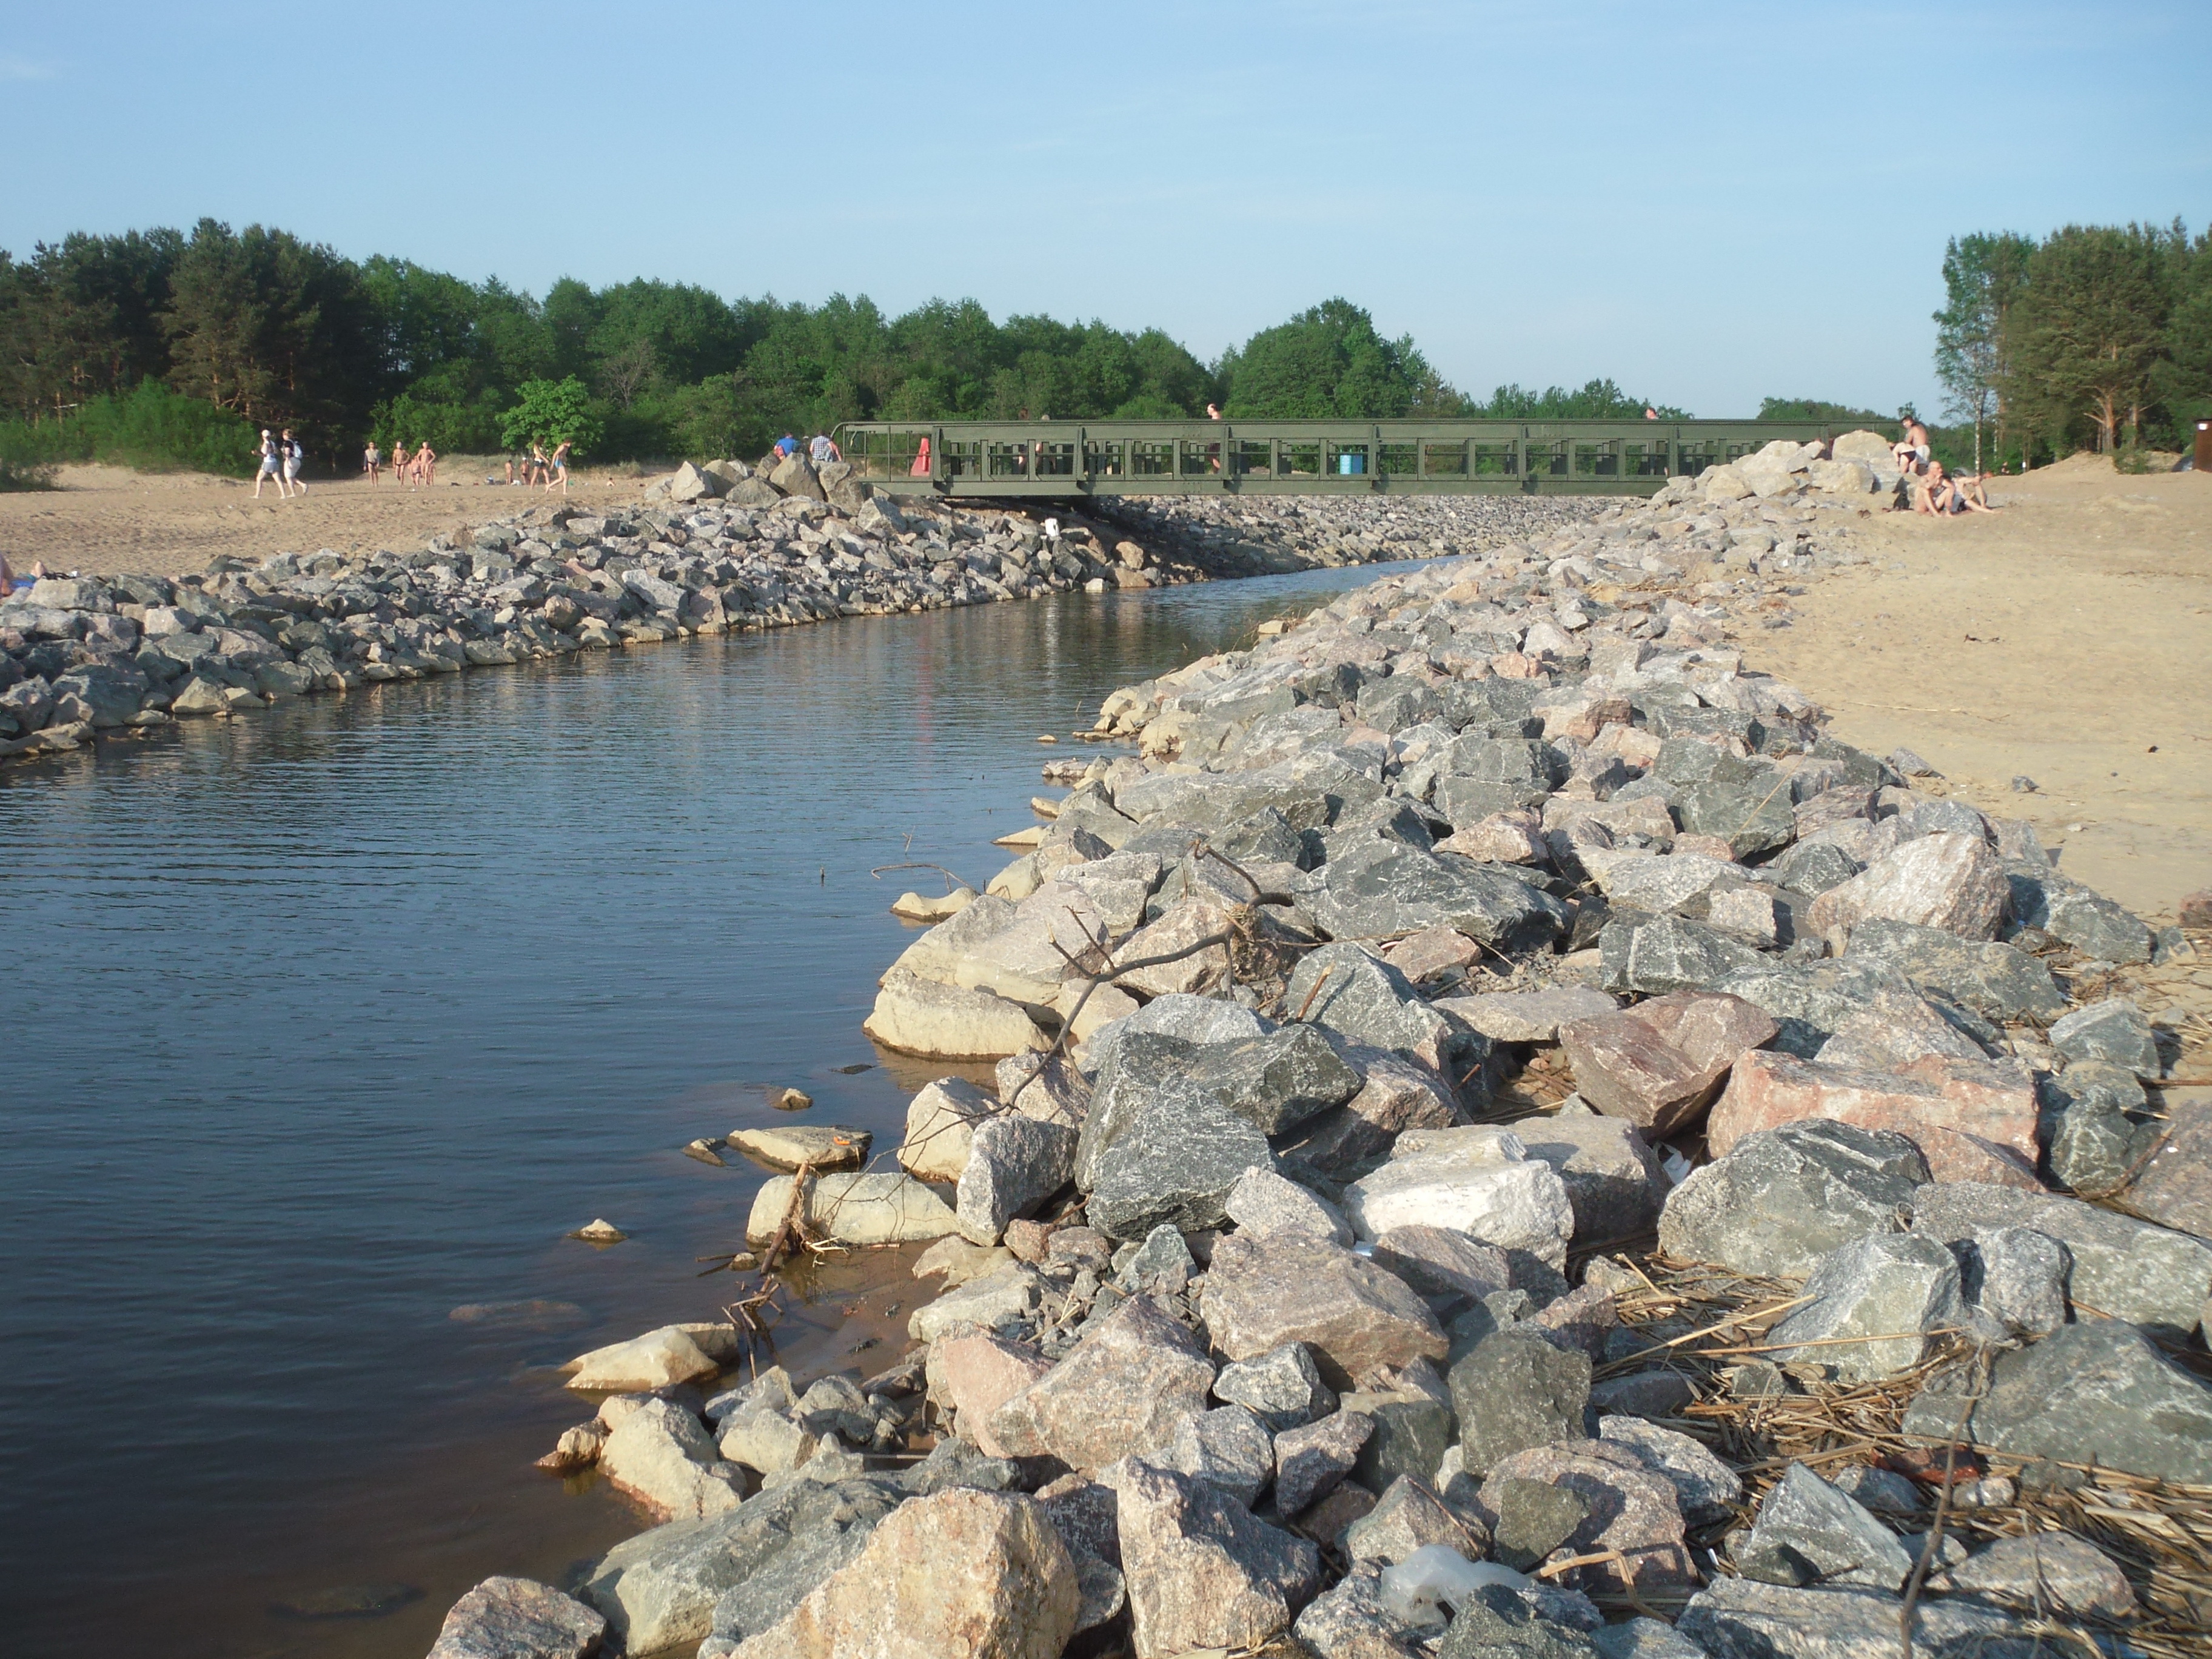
point(2097, 337)
point(164, 347)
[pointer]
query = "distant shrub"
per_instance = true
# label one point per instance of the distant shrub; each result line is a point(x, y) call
point(152, 428)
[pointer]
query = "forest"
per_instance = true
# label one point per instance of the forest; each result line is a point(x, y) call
point(169, 348)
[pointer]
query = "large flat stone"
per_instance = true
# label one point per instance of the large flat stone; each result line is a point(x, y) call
point(917, 1016)
point(1994, 979)
point(1353, 1316)
point(1478, 1180)
point(855, 1207)
point(2094, 1389)
point(1972, 1119)
point(1386, 889)
point(1745, 1618)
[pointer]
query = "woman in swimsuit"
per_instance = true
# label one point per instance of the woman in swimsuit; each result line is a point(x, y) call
point(541, 470)
point(559, 464)
point(272, 467)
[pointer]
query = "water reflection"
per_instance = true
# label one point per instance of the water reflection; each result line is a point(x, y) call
point(324, 1022)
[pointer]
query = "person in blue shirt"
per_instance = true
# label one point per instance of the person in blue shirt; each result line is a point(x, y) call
point(787, 446)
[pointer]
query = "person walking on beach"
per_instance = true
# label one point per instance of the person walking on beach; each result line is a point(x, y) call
point(426, 463)
point(295, 458)
point(400, 461)
point(559, 465)
point(272, 467)
point(370, 460)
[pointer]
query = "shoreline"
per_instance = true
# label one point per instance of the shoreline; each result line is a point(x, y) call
point(97, 658)
point(1337, 744)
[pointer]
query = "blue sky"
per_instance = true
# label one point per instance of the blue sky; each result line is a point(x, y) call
point(1710, 203)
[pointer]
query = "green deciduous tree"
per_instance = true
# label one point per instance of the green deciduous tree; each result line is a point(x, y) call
point(1327, 362)
point(552, 412)
point(1983, 274)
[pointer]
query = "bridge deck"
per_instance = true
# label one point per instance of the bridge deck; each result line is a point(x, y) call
point(1059, 459)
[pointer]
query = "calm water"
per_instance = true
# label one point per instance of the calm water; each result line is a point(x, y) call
point(322, 1022)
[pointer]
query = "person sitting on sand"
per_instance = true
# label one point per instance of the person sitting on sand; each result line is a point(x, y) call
point(1968, 492)
point(558, 468)
point(272, 467)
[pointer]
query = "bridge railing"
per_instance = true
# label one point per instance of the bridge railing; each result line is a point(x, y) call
point(1073, 458)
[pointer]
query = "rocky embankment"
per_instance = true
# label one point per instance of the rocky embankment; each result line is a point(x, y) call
point(713, 551)
point(1506, 1140)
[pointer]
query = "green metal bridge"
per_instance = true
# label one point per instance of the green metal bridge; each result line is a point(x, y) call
point(1062, 458)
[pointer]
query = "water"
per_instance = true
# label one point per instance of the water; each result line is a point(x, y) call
point(326, 1022)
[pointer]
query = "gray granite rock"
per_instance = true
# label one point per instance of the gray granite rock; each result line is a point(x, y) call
point(1706, 1488)
point(1658, 954)
point(1746, 1619)
point(2048, 1573)
point(1310, 1459)
point(2015, 1278)
point(1994, 979)
point(1156, 1153)
point(2113, 1031)
point(1645, 1638)
point(1410, 1516)
point(1494, 1623)
point(1014, 1163)
point(2073, 915)
point(1783, 1198)
point(1808, 1533)
point(1350, 1621)
point(1344, 989)
point(2123, 1268)
point(1876, 1304)
point(1385, 890)
point(1227, 1446)
point(1810, 1002)
point(1282, 1387)
point(2098, 1388)
point(1514, 1390)
point(1264, 1205)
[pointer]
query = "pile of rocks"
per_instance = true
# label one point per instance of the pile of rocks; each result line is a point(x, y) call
point(721, 549)
point(1271, 1317)
point(1254, 535)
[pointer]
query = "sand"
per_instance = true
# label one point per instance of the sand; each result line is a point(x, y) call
point(2065, 639)
point(105, 519)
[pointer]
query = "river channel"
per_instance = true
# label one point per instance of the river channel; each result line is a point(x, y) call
point(324, 1023)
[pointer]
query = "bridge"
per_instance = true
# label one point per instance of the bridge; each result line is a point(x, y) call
point(1065, 459)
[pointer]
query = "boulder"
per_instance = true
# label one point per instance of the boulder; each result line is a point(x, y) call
point(1995, 981)
point(1654, 955)
point(1409, 1516)
point(659, 1359)
point(2173, 1186)
point(660, 1456)
point(1226, 1447)
point(1398, 1094)
point(917, 1016)
point(1478, 1181)
point(941, 1121)
point(824, 1146)
point(1657, 1064)
point(1158, 1148)
point(2123, 1268)
point(855, 1207)
point(1382, 890)
point(1202, 1572)
point(1346, 990)
point(795, 476)
point(2073, 915)
point(1972, 1120)
point(994, 1300)
point(1493, 1622)
point(1625, 1506)
point(1282, 1388)
point(1706, 1489)
point(1811, 1001)
point(2015, 1278)
point(1893, 1029)
point(1350, 1621)
point(2113, 1031)
point(1809, 1533)
point(981, 1372)
point(1129, 1384)
point(1877, 1305)
point(2048, 1573)
point(660, 1590)
point(1443, 1263)
point(1513, 1391)
point(1311, 1459)
point(1952, 881)
point(1014, 1164)
point(1613, 1181)
point(518, 1619)
point(2096, 1387)
point(1782, 1199)
point(1747, 1618)
point(957, 1575)
point(1354, 1316)
point(1529, 1016)
point(1263, 1204)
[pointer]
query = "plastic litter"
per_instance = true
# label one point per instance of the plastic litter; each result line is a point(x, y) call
point(1436, 1576)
